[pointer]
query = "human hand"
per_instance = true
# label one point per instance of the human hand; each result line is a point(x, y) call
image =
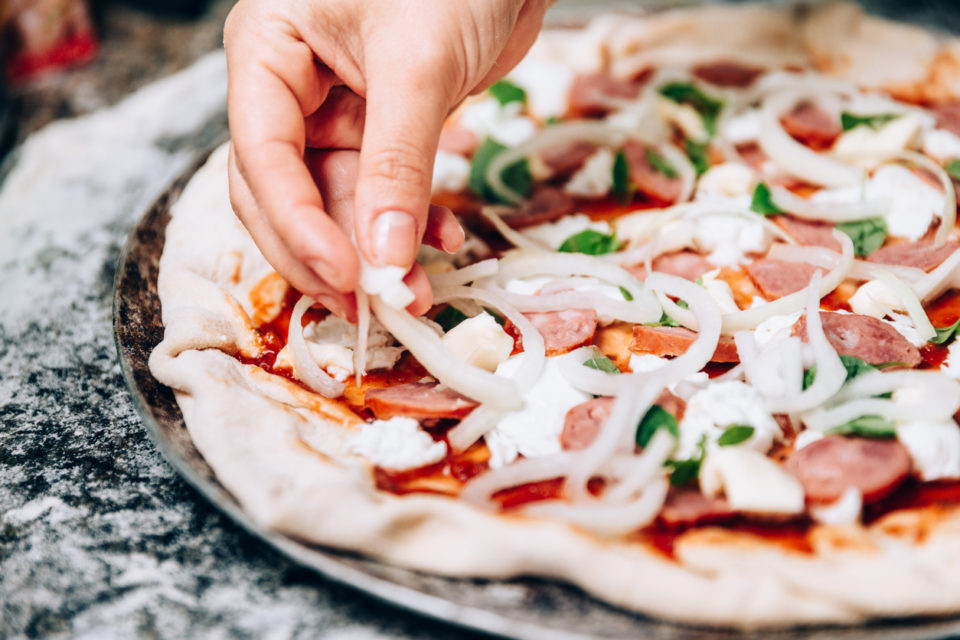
point(314, 83)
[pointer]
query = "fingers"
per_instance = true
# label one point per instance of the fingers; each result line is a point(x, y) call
point(273, 84)
point(338, 123)
point(419, 284)
point(443, 230)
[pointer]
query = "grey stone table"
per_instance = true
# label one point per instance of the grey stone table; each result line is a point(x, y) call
point(99, 538)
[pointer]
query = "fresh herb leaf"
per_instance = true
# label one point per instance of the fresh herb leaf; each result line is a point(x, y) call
point(590, 242)
point(622, 189)
point(854, 366)
point(683, 304)
point(626, 294)
point(506, 92)
point(867, 427)
point(946, 334)
point(887, 365)
point(762, 201)
point(686, 93)
point(496, 316)
point(953, 168)
point(516, 176)
point(655, 418)
point(735, 435)
point(551, 121)
point(851, 120)
point(664, 321)
point(682, 472)
point(867, 235)
point(660, 164)
point(601, 362)
point(697, 152)
point(449, 317)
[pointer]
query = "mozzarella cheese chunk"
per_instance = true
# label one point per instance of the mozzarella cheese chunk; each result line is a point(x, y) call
point(720, 291)
point(398, 443)
point(503, 123)
point(479, 341)
point(905, 327)
point(450, 172)
point(743, 127)
point(934, 448)
point(898, 134)
point(913, 202)
point(722, 404)
point(534, 430)
point(728, 238)
point(554, 234)
point(951, 365)
point(547, 84)
point(386, 282)
point(775, 328)
point(595, 178)
point(941, 144)
point(846, 510)
point(751, 482)
point(875, 299)
point(726, 180)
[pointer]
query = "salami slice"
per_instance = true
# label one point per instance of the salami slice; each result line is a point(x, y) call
point(583, 422)
point(777, 278)
point(810, 125)
point(419, 400)
point(921, 255)
point(867, 338)
point(727, 74)
point(564, 331)
point(649, 181)
point(595, 95)
point(674, 341)
point(688, 507)
point(683, 264)
point(948, 116)
point(808, 232)
point(563, 159)
point(545, 205)
point(828, 467)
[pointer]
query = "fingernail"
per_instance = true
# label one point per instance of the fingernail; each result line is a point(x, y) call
point(333, 275)
point(394, 239)
point(455, 241)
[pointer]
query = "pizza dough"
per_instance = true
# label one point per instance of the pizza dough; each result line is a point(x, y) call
point(285, 452)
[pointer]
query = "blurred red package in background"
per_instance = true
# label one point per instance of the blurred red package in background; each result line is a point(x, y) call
point(41, 36)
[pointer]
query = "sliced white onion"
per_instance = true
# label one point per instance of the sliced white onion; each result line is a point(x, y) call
point(477, 424)
point(605, 519)
point(809, 209)
point(428, 349)
point(685, 170)
point(510, 234)
point(910, 302)
point(576, 264)
point(935, 283)
point(363, 336)
point(642, 469)
point(307, 369)
point(793, 157)
point(465, 275)
point(523, 471)
point(823, 257)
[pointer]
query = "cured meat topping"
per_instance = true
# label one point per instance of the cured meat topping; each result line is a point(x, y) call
point(545, 205)
point(865, 337)
point(419, 400)
point(727, 74)
point(565, 330)
point(674, 341)
point(921, 255)
point(811, 125)
point(594, 96)
point(809, 232)
point(648, 180)
point(777, 278)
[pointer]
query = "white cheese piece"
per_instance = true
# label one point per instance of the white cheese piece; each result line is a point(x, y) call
point(479, 341)
point(806, 437)
point(450, 172)
point(905, 327)
point(534, 430)
point(547, 84)
point(874, 298)
point(720, 405)
point(720, 291)
point(727, 180)
point(684, 117)
point(913, 202)
point(934, 448)
point(898, 134)
point(846, 510)
point(595, 178)
point(743, 127)
point(503, 123)
point(752, 482)
point(386, 282)
point(729, 238)
point(397, 443)
point(775, 328)
point(951, 366)
point(554, 234)
point(941, 144)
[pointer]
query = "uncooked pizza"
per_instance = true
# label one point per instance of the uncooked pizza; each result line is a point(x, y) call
point(698, 355)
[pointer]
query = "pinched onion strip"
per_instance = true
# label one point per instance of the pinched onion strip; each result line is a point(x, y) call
point(307, 370)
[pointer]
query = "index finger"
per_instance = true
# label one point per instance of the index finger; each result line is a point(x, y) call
point(274, 83)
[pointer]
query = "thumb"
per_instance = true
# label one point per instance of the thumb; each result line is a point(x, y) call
point(406, 105)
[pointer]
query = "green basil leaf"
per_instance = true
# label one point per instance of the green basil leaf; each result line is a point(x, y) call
point(601, 362)
point(697, 152)
point(622, 189)
point(506, 92)
point(707, 106)
point(664, 321)
point(683, 472)
point(660, 164)
point(867, 427)
point(590, 242)
point(655, 418)
point(626, 294)
point(449, 317)
point(735, 435)
point(851, 120)
point(953, 168)
point(854, 366)
point(868, 235)
point(946, 334)
point(516, 176)
point(762, 201)
point(683, 304)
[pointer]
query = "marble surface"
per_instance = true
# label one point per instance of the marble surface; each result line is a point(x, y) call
point(99, 538)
